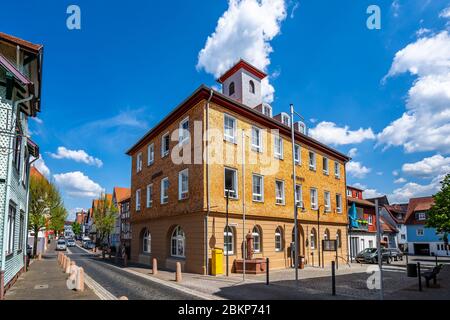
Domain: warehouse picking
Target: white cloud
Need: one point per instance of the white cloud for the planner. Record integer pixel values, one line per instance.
(425, 126)
(428, 167)
(78, 185)
(395, 173)
(357, 170)
(76, 155)
(244, 31)
(330, 133)
(294, 8)
(400, 180)
(414, 190)
(422, 31)
(353, 152)
(42, 167)
(37, 120)
(445, 13)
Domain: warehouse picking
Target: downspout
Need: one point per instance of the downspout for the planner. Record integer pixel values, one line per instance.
(208, 197)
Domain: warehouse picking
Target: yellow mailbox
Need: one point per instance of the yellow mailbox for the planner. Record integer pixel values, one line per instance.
(217, 261)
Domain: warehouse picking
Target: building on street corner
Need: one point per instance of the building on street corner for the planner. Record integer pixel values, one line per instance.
(179, 209)
(118, 196)
(20, 98)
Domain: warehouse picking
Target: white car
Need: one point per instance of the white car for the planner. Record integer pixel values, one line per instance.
(61, 245)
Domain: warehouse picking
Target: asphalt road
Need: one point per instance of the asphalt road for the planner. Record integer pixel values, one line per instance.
(121, 283)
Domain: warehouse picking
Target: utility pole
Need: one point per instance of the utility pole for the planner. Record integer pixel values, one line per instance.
(227, 229)
(380, 256)
(294, 180)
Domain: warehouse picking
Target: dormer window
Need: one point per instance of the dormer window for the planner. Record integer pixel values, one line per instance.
(267, 110)
(231, 89)
(251, 86)
(285, 119)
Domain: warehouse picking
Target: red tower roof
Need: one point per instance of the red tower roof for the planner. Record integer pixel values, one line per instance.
(244, 65)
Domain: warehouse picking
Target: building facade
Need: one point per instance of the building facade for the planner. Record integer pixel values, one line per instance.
(125, 225)
(20, 81)
(362, 232)
(214, 144)
(118, 196)
(423, 240)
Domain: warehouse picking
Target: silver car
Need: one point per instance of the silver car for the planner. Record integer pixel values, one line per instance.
(61, 245)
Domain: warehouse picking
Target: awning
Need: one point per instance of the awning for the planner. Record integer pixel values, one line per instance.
(33, 148)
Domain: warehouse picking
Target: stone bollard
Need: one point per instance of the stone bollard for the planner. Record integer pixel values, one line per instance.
(68, 264)
(59, 257)
(80, 280)
(178, 277)
(155, 266)
(40, 256)
(63, 262)
(123, 298)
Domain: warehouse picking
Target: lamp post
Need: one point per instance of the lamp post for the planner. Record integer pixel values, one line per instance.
(318, 234)
(226, 227)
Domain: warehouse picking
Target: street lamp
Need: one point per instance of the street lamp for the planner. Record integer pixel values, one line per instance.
(226, 227)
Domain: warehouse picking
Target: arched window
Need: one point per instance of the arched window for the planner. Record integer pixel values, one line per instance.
(326, 235)
(279, 239)
(251, 86)
(339, 239)
(256, 233)
(313, 238)
(231, 89)
(228, 240)
(178, 242)
(147, 242)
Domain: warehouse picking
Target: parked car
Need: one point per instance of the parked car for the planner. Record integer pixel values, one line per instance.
(370, 255)
(71, 243)
(395, 254)
(89, 245)
(61, 245)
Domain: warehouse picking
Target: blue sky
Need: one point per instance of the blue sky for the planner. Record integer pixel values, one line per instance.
(105, 85)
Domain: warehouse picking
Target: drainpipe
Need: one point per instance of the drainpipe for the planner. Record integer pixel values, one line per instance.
(208, 198)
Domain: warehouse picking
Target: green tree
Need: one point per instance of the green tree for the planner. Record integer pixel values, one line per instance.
(76, 228)
(439, 214)
(104, 217)
(46, 207)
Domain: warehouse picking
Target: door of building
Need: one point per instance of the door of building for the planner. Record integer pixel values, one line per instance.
(354, 243)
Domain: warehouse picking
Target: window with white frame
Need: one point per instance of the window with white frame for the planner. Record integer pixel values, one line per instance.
(337, 170)
(183, 132)
(419, 232)
(313, 197)
(229, 128)
(183, 184)
(147, 242)
(298, 196)
(258, 188)
(151, 154)
(279, 191)
(22, 229)
(149, 195)
(138, 199)
(279, 239)
(327, 199)
(338, 203)
(256, 233)
(164, 190)
(325, 165)
(228, 241)
(10, 232)
(230, 183)
(421, 216)
(178, 240)
(165, 145)
(285, 119)
(297, 154)
(312, 160)
(370, 219)
(313, 239)
(267, 110)
(139, 162)
(256, 139)
(278, 146)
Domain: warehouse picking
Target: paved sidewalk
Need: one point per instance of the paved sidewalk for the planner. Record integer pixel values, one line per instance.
(45, 280)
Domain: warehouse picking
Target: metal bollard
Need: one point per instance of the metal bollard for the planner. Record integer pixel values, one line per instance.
(436, 260)
(178, 276)
(420, 276)
(125, 260)
(155, 266)
(333, 278)
(267, 271)
(80, 280)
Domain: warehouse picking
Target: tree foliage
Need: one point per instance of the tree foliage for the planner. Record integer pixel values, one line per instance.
(46, 208)
(104, 219)
(76, 228)
(439, 214)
